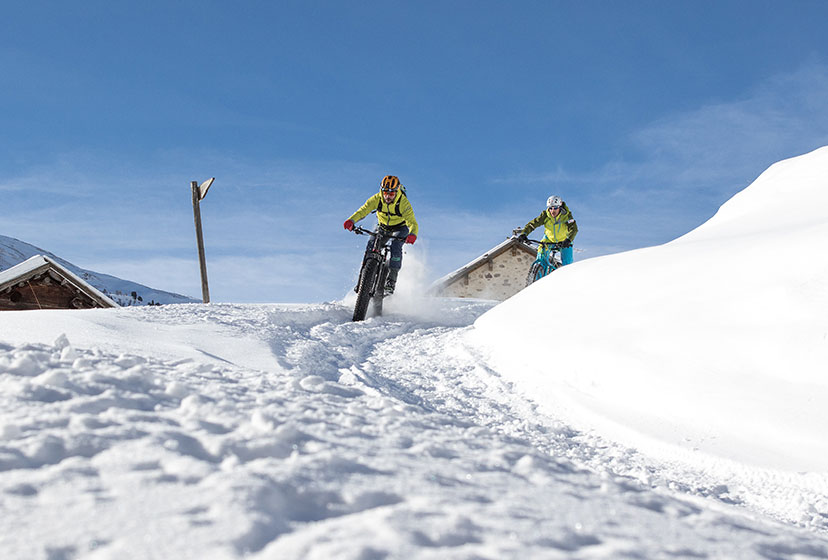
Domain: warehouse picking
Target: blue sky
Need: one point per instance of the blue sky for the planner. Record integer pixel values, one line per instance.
(644, 116)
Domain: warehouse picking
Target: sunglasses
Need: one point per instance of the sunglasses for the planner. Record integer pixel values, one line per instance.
(554, 208)
(389, 190)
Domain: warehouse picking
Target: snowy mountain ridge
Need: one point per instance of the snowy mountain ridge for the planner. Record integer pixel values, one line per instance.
(13, 251)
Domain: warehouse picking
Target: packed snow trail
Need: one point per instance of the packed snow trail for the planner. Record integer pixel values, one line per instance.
(287, 431)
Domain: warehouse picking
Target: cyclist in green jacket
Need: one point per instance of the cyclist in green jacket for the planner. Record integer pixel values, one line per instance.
(559, 227)
(394, 211)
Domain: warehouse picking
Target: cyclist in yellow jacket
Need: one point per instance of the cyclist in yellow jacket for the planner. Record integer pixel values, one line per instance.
(394, 211)
(559, 227)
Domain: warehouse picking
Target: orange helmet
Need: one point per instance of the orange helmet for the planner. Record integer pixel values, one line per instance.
(390, 183)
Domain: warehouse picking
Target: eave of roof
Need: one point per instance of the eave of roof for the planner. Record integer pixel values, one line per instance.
(39, 264)
(492, 253)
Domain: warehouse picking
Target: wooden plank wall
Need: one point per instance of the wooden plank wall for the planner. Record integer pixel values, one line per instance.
(44, 292)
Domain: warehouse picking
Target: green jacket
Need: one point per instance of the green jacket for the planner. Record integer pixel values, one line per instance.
(394, 214)
(555, 229)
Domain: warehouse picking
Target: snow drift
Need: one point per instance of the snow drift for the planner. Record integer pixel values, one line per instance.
(713, 347)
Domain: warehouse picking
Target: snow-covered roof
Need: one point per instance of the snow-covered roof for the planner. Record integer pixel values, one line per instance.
(479, 261)
(39, 264)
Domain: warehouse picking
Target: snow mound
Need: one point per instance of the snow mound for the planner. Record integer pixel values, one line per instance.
(287, 431)
(711, 348)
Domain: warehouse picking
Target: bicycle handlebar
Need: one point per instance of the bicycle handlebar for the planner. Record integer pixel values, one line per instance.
(362, 231)
(552, 244)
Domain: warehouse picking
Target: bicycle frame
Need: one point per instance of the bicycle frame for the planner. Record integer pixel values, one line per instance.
(547, 261)
(549, 257)
(381, 247)
(374, 271)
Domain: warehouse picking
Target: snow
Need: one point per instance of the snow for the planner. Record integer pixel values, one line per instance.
(666, 402)
(711, 348)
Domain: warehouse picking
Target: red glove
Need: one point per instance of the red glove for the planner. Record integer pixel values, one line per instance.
(411, 239)
(349, 225)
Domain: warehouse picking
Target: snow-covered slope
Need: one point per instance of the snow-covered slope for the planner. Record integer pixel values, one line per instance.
(662, 403)
(711, 349)
(13, 251)
(287, 431)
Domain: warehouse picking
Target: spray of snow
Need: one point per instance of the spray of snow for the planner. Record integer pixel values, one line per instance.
(410, 300)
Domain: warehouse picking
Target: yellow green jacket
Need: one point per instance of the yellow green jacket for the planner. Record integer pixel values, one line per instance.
(555, 229)
(394, 214)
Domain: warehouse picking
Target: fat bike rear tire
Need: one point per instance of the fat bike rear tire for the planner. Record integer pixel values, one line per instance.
(535, 273)
(367, 277)
(379, 293)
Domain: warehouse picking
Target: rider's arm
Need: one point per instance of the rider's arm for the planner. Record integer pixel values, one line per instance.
(407, 212)
(573, 229)
(369, 206)
(534, 224)
(571, 225)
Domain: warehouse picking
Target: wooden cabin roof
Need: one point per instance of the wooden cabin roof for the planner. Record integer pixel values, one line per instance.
(39, 265)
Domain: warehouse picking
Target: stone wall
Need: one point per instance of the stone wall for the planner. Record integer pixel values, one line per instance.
(499, 279)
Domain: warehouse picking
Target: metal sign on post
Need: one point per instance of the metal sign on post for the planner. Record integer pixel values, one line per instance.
(199, 192)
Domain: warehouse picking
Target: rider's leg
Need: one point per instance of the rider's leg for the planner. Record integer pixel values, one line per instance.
(391, 281)
(395, 264)
(566, 255)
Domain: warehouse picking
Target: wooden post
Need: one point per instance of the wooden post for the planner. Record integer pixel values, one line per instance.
(197, 196)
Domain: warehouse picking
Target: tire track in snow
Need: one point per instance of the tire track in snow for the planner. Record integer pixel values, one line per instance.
(387, 438)
(429, 366)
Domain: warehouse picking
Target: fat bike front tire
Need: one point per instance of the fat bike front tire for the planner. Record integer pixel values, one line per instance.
(367, 276)
(535, 273)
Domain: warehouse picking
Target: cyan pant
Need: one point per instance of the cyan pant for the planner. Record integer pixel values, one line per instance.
(566, 255)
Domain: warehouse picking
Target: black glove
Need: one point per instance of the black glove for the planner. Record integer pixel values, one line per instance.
(523, 237)
(566, 243)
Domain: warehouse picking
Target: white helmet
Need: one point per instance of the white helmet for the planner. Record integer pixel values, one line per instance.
(554, 202)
